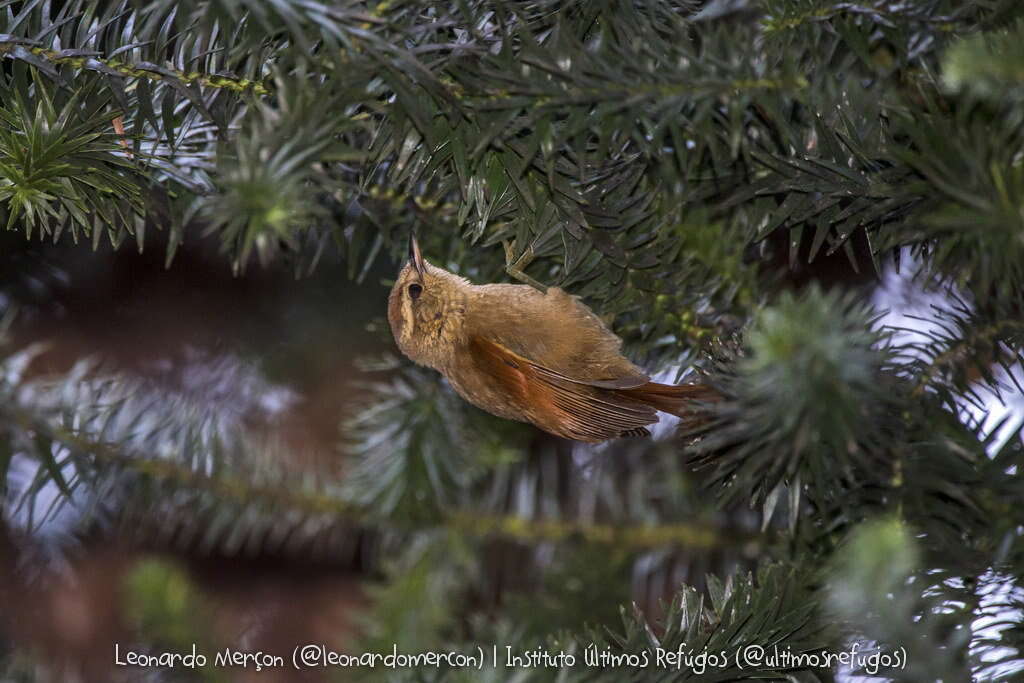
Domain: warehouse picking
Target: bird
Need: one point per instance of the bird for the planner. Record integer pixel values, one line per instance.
(541, 357)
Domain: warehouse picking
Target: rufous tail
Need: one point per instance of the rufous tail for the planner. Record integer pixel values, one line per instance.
(687, 401)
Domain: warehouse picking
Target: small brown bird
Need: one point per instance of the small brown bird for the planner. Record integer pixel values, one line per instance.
(524, 355)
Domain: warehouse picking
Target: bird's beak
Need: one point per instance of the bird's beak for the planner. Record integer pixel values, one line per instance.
(416, 257)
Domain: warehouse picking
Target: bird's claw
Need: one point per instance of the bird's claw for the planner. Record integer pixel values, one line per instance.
(515, 267)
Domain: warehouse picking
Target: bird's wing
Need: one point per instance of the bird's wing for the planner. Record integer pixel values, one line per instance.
(557, 331)
(575, 409)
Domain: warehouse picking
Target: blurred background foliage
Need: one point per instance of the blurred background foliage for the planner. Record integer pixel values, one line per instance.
(206, 436)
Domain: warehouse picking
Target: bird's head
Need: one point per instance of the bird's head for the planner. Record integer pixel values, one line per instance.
(426, 309)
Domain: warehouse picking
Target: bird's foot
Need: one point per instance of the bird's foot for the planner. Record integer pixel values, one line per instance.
(515, 267)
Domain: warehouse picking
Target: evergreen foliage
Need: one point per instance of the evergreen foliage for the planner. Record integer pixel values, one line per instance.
(725, 182)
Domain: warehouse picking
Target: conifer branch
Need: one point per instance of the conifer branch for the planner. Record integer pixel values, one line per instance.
(114, 67)
(237, 489)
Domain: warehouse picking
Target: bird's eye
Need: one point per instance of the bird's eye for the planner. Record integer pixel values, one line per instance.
(415, 290)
